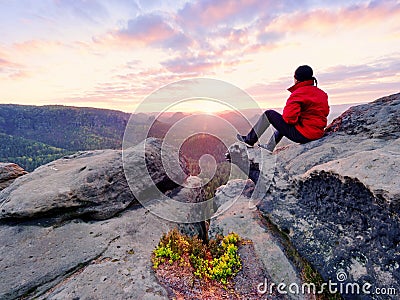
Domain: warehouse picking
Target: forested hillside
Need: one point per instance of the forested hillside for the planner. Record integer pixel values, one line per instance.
(69, 128)
(34, 135)
(27, 153)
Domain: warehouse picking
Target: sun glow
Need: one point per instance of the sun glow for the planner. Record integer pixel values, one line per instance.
(210, 107)
(200, 105)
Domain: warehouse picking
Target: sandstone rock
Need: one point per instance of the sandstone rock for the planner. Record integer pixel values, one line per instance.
(378, 119)
(338, 198)
(33, 255)
(243, 218)
(227, 194)
(8, 173)
(192, 192)
(376, 169)
(157, 161)
(89, 260)
(55, 243)
(90, 184)
(258, 163)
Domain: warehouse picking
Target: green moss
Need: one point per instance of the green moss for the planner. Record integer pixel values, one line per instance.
(218, 260)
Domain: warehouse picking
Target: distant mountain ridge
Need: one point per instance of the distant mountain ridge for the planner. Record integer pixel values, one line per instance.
(34, 135)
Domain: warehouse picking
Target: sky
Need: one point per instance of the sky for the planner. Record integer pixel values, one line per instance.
(114, 54)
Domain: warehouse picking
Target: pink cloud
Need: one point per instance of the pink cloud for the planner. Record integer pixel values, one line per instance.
(202, 63)
(174, 31)
(6, 63)
(126, 90)
(326, 20)
(31, 46)
(19, 74)
(12, 70)
(384, 68)
(208, 13)
(147, 30)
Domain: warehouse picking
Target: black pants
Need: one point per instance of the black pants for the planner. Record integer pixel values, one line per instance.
(282, 129)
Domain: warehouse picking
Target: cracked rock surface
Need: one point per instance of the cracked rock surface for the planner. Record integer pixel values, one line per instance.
(73, 229)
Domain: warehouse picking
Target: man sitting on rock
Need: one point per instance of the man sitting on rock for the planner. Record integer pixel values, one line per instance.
(304, 115)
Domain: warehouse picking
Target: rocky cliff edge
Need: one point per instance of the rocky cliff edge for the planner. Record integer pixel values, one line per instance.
(338, 198)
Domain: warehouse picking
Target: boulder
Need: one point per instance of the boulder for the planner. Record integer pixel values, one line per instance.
(70, 230)
(90, 184)
(8, 173)
(109, 259)
(379, 119)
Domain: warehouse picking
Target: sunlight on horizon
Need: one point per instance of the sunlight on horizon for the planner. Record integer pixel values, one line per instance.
(200, 105)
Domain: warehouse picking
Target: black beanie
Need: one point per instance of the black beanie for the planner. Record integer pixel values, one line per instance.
(303, 73)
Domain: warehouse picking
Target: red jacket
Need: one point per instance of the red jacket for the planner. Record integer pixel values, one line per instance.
(307, 109)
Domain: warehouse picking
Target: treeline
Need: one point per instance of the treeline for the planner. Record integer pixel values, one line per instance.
(27, 153)
(35, 135)
(70, 128)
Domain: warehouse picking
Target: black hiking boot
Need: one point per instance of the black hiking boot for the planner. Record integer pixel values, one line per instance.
(242, 139)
